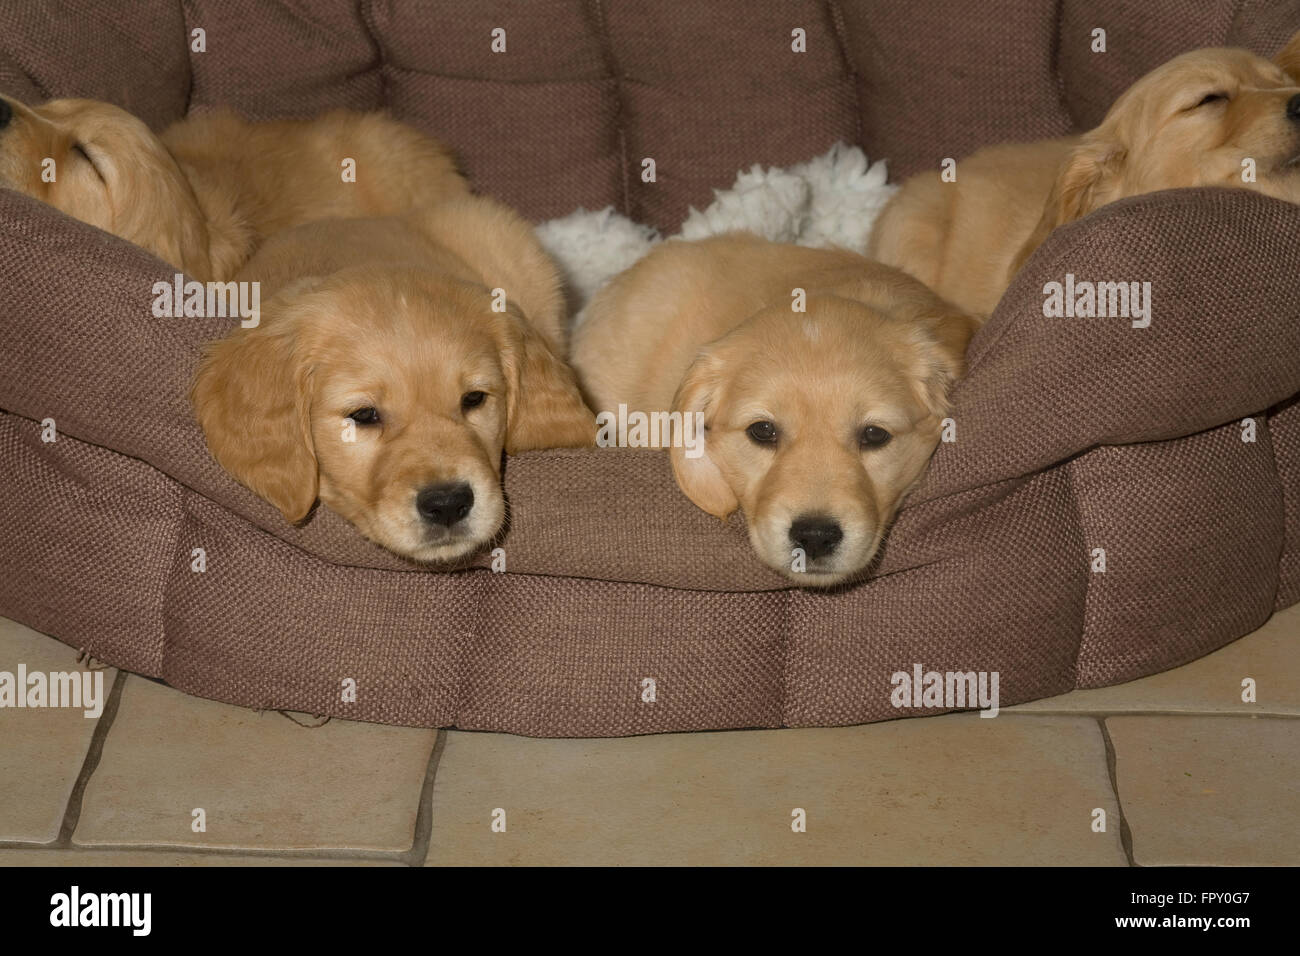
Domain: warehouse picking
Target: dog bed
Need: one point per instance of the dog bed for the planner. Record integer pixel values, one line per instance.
(1117, 501)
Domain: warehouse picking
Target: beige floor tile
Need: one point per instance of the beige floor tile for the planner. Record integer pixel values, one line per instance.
(1270, 655)
(261, 779)
(1219, 791)
(41, 751)
(77, 857)
(954, 789)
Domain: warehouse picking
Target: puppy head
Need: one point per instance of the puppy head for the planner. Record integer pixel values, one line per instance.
(107, 169)
(389, 395)
(1190, 122)
(816, 425)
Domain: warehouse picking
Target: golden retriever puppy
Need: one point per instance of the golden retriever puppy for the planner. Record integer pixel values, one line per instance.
(204, 194)
(1194, 121)
(815, 422)
(393, 363)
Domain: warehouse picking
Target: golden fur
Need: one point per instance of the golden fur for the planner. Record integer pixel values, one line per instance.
(709, 326)
(1190, 122)
(204, 194)
(394, 315)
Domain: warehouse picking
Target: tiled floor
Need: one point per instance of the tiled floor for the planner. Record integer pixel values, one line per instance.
(1180, 769)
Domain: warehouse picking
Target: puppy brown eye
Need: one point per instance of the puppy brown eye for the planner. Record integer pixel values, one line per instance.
(366, 416)
(874, 437)
(1212, 98)
(762, 432)
(472, 400)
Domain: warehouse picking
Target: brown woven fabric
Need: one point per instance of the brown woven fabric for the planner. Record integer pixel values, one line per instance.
(1284, 431)
(288, 58)
(132, 54)
(586, 90)
(1072, 434)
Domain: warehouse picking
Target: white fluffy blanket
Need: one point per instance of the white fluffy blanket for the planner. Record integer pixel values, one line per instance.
(830, 200)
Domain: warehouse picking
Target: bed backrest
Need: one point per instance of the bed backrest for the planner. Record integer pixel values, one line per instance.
(564, 106)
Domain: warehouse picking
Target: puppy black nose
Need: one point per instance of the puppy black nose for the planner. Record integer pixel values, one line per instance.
(816, 534)
(1293, 107)
(6, 113)
(445, 504)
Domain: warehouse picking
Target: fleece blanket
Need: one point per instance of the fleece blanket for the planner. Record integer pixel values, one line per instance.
(831, 200)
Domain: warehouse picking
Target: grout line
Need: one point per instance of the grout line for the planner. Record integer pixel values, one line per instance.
(95, 752)
(72, 812)
(423, 827)
(200, 852)
(419, 850)
(1125, 834)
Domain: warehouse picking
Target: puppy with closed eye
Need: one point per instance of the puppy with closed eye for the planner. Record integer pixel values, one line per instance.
(386, 376)
(206, 192)
(816, 422)
(1190, 122)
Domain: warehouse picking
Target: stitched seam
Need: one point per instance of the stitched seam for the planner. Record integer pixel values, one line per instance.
(595, 10)
(840, 29)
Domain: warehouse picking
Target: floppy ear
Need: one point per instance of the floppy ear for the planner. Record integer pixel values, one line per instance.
(183, 242)
(158, 208)
(544, 408)
(1288, 58)
(250, 397)
(945, 331)
(1087, 180)
(167, 220)
(951, 332)
(699, 477)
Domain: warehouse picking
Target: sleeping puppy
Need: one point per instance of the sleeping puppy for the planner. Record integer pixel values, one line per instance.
(1190, 122)
(204, 194)
(816, 422)
(382, 381)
